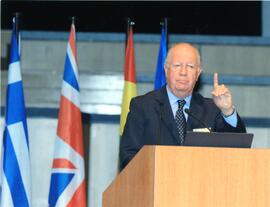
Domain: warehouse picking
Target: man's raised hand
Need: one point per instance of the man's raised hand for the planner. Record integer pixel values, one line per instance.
(222, 97)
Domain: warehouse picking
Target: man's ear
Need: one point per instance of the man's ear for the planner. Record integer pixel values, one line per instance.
(166, 68)
(199, 72)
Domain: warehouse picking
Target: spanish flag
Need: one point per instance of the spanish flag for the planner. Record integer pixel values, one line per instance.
(130, 89)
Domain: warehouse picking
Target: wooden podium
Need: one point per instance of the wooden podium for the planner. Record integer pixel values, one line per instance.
(167, 176)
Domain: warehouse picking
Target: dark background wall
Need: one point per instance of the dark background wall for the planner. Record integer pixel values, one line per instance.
(219, 18)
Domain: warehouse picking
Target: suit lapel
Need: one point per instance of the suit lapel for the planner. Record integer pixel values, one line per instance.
(196, 107)
(166, 113)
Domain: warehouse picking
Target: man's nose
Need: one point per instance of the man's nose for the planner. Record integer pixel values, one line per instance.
(183, 70)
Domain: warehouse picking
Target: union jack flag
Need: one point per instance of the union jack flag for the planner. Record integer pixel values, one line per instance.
(67, 186)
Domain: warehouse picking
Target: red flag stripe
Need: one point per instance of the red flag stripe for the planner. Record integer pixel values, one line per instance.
(130, 71)
(70, 125)
(78, 198)
(63, 163)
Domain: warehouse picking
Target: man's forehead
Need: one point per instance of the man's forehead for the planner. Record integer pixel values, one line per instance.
(184, 54)
(183, 51)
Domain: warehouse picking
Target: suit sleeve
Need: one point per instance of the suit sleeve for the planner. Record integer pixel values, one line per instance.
(131, 141)
(223, 126)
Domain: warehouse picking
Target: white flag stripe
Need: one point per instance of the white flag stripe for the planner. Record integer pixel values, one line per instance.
(63, 170)
(66, 152)
(14, 72)
(70, 93)
(72, 61)
(18, 138)
(69, 190)
(6, 200)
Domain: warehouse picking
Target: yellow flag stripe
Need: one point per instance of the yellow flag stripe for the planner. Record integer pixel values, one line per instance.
(130, 91)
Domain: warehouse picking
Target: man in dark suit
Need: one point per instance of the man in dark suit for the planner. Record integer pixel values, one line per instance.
(159, 117)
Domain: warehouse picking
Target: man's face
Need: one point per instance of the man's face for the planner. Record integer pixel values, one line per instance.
(183, 69)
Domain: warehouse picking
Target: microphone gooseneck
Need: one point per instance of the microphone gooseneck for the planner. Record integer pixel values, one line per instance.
(196, 118)
(159, 111)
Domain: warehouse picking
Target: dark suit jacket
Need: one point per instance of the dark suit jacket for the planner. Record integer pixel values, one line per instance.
(151, 122)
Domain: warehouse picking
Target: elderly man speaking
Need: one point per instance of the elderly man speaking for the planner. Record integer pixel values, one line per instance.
(160, 117)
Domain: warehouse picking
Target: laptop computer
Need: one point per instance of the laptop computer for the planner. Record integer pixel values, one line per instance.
(218, 139)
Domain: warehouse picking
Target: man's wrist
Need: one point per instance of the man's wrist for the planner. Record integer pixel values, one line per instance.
(228, 112)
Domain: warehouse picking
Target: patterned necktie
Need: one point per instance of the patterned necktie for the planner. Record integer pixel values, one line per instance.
(181, 121)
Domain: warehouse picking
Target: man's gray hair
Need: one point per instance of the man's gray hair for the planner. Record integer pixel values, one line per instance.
(166, 63)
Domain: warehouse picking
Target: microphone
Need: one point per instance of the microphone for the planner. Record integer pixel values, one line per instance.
(195, 117)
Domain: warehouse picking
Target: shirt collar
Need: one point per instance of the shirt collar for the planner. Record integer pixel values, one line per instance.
(173, 98)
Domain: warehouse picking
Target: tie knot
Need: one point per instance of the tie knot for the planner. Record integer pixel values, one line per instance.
(181, 104)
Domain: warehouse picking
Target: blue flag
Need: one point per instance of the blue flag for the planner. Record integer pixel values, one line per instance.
(160, 78)
(16, 186)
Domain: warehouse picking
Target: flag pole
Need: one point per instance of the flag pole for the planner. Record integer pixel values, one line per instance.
(166, 30)
(127, 31)
(17, 24)
(130, 23)
(164, 23)
(73, 20)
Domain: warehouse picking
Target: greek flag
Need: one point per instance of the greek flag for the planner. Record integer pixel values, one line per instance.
(15, 166)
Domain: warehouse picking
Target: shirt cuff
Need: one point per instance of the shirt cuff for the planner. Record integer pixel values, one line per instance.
(232, 119)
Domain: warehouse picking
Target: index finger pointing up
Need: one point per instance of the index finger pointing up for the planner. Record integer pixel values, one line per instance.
(215, 79)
